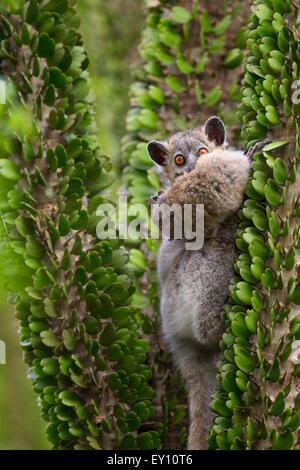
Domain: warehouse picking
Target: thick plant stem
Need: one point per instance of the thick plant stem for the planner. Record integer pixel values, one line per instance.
(72, 291)
(258, 399)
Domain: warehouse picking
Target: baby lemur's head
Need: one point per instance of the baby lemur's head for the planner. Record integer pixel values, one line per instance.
(179, 153)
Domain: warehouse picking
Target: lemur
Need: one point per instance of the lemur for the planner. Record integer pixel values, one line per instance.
(194, 284)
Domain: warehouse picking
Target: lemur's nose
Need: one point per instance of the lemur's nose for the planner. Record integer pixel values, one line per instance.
(192, 161)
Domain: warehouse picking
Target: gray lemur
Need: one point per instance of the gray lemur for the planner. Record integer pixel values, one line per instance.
(194, 284)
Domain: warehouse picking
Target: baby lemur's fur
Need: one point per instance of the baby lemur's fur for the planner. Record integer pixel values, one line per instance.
(194, 284)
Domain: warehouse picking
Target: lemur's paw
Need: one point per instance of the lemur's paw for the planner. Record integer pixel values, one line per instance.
(154, 198)
(258, 147)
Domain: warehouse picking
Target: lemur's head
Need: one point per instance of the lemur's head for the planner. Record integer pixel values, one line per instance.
(179, 153)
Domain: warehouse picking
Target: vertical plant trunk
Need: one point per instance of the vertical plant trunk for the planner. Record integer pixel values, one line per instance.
(258, 403)
(71, 291)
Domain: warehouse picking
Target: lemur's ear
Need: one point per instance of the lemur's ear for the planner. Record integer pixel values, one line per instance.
(215, 130)
(157, 152)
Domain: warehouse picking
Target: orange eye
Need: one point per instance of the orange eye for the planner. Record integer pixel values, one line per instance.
(179, 160)
(202, 151)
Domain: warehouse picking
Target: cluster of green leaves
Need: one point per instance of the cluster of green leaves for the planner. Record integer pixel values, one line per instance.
(258, 403)
(72, 292)
(179, 45)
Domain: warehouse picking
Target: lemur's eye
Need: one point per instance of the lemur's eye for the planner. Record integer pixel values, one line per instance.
(202, 151)
(179, 160)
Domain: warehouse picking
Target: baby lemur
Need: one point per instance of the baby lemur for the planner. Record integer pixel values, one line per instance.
(194, 284)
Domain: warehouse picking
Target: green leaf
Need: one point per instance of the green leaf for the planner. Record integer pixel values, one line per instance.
(69, 340)
(244, 292)
(279, 171)
(175, 84)
(234, 58)
(113, 381)
(251, 320)
(81, 89)
(156, 94)
(216, 45)
(63, 225)
(76, 429)
(275, 145)
(9, 170)
(49, 339)
(49, 98)
(59, 6)
(32, 12)
(278, 405)
(223, 25)
(108, 335)
(58, 78)
(79, 380)
(282, 441)
(205, 22)
(128, 443)
(34, 248)
(50, 308)
(43, 278)
(219, 406)
(46, 46)
(133, 421)
(213, 96)
(244, 360)
(290, 259)
(148, 119)
(178, 415)
(296, 295)
(272, 194)
(114, 352)
(91, 325)
(184, 65)
(274, 225)
(69, 398)
(275, 371)
(252, 431)
(258, 248)
(180, 15)
(201, 64)
(260, 220)
(283, 39)
(50, 366)
(272, 115)
(34, 293)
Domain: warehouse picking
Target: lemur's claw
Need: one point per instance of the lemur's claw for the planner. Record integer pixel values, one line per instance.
(257, 148)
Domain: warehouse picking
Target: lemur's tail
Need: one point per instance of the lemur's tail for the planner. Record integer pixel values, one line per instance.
(200, 378)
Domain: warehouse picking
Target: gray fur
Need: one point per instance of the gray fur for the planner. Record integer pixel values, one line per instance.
(194, 284)
(194, 288)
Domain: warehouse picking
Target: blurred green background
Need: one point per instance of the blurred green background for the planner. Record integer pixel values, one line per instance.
(111, 31)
